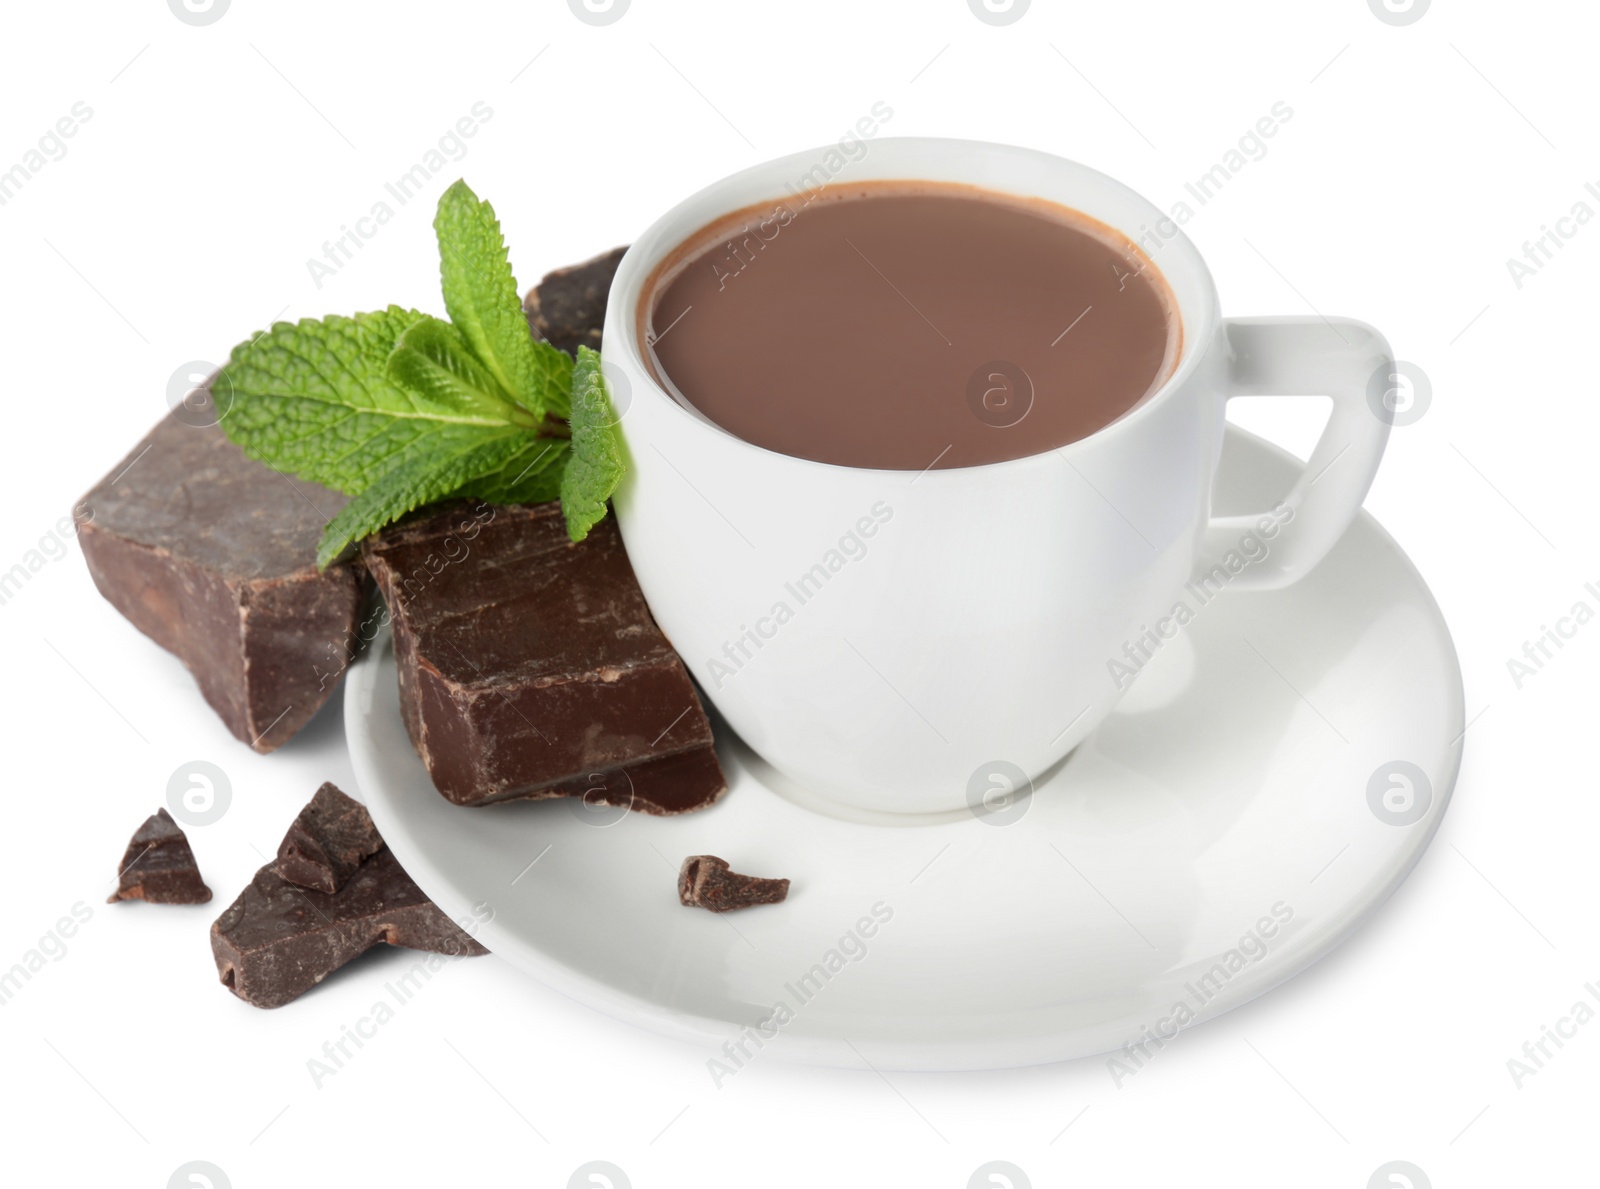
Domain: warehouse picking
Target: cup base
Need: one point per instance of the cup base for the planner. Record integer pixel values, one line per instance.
(793, 791)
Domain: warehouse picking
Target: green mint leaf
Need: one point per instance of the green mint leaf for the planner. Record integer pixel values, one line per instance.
(430, 468)
(555, 370)
(431, 361)
(316, 399)
(531, 476)
(481, 295)
(596, 464)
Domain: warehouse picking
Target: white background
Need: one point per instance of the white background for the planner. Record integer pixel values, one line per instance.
(218, 159)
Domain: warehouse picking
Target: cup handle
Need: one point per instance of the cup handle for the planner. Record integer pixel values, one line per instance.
(1305, 356)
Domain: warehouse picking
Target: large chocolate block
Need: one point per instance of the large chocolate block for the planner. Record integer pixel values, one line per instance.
(530, 667)
(568, 307)
(212, 556)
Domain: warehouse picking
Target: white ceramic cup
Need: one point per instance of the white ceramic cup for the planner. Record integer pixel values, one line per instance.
(917, 642)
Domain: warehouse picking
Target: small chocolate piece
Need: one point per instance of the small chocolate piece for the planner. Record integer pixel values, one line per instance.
(330, 839)
(213, 556)
(568, 307)
(530, 667)
(277, 941)
(159, 867)
(704, 881)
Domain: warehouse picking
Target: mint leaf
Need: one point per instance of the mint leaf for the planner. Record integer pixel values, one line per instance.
(431, 468)
(433, 362)
(556, 384)
(596, 464)
(531, 476)
(481, 294)
(316, 399)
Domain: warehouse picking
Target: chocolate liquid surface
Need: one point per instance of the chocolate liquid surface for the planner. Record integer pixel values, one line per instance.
(908, 325)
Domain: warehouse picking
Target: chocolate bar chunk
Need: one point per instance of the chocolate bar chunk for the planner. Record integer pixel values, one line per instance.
(530, 666)
(280, 938)
(212, 556)
(663, 786)
(704, 881)
(159, 867)
(568, 307)
(330, 839)
(277, 940)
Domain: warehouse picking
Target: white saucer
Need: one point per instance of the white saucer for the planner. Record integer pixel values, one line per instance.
(1246, 771)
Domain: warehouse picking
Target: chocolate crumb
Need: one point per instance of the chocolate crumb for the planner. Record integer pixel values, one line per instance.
(704, 881)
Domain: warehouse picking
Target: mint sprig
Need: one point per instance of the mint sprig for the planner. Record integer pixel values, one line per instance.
(398, 409)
